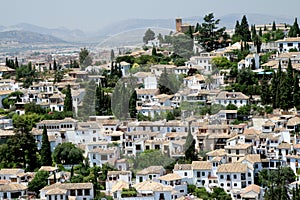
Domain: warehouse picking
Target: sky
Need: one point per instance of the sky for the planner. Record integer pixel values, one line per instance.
(89, 15)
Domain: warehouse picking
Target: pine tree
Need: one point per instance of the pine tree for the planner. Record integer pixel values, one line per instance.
(46, 159)
(68, 102)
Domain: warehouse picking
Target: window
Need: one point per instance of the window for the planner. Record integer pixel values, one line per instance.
(203, 173)
(198, 174)
(222, 184)
(235, 184)
(234, 176)
(228, 184)
(249, 182)
(289, 44)
(185, 173)
(222, 177)
(249, 174)
(79, 192)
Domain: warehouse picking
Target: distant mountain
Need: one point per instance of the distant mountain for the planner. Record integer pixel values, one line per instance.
(226, 20)
(27, 37)
(133, 24)
(62, 33)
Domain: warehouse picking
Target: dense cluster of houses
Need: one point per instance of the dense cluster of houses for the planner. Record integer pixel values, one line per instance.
(235, 153)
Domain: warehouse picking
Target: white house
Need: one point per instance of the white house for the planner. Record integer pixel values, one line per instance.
(113, 177)
(63, 191)
(185, 172)
(236, 98)
(286, 44)
(150, 173)
(12, 190)
(202, 171)
(235, 176)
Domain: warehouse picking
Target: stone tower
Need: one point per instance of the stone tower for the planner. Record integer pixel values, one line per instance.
(178, 24)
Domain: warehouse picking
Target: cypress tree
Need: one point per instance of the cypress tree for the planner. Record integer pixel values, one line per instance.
(294, 30)
(245, 32)
(16, 63)
(274, 26)
(54, 65)
(190, 153)
(99, 101)
(112, 55)
(46, 159)
(296, 92)
(260, 32)
(289, 78)
(237, 30)
(132, 105)
(68, 102)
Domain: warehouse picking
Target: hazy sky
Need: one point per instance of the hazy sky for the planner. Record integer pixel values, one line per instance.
(92, 14)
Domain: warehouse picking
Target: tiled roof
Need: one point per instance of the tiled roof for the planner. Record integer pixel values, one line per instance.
(48, 168)
(178, 167)
(201, 165)
(11, 171)
(232, 168)
(284, 145)
(293, 121)
(231, 96)
(12, 187)
(217, 152)
(239, 146)
(151, 170)
(56, 191)
(170, 177)
(152, 186)
(251, 188)
(252, 158)
(119, 186)
(118, 172)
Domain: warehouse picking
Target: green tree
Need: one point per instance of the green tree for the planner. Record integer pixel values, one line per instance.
(296, 92)
(231, 106)
(132, 105)
(67, 154)
(149, 35)
(274, 26)
(189, 147)
(210, 35)
(244, 30)
(112, 55)
(39, 181)
(294, 30)
(151, 158)
(46, 159)
(168, 83)
(88, 103)
(68, 102)
(84, 58)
